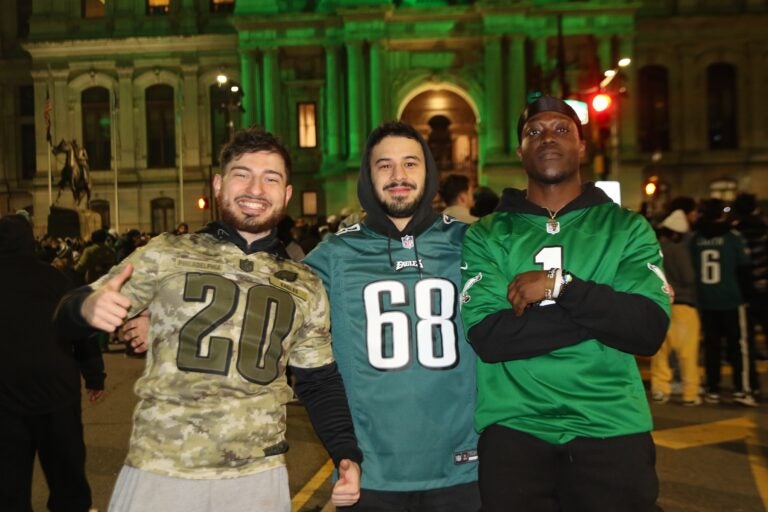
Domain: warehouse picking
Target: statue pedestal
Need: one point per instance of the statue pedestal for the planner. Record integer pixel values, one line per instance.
(70, 222)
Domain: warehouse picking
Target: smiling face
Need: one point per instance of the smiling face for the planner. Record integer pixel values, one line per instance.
(398, 174)
(551, 148)
(253, 193)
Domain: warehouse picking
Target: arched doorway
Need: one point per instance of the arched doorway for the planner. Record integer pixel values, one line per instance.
(449, 125)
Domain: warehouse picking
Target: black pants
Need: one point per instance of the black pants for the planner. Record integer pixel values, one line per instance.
(731, 326)
(57, 438)
(521, 473)
(458, 498)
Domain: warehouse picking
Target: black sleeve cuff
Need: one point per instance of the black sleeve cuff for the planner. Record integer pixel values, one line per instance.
(68, 317)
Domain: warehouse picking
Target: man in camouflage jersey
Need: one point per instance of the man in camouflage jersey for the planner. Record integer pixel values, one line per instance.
(229, 312)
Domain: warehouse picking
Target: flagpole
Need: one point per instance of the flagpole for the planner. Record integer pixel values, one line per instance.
(180, 111)
(50, 176)
(113, 124)
(47, 111)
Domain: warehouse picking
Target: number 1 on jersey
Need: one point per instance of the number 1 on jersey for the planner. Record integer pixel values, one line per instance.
(548, 258)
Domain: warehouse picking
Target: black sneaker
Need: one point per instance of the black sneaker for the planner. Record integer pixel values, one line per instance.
(712, 398)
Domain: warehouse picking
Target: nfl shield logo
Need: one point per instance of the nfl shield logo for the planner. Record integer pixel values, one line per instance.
(407, 242)
(246, 265)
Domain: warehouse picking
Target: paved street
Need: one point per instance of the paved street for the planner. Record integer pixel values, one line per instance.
(710, 458)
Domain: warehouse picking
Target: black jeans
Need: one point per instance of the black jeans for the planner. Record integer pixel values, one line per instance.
(519, 472)
(57, 438)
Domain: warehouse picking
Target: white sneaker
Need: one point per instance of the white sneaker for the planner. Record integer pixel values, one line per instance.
(659, 398)
(744, 399)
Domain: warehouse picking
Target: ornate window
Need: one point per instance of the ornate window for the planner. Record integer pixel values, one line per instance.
(307, 125)
(161, 129)
(158, 7)
(653, 108)
(97, 138)
(94, 8)
(222, 5)
(722, 119)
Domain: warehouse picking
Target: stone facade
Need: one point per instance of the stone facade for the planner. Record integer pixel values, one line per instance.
(471, 64)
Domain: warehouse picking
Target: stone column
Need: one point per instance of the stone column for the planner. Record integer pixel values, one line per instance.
(126, 142)
(332, 110)
(354, 103)
(494, 130)
(375, 99)
(270, 91)
(246, 84)
(190, 116)
(515, 88)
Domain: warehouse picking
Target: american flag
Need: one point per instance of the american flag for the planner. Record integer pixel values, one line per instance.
(47, 115)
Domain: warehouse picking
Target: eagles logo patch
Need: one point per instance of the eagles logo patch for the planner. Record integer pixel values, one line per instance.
(246, 265)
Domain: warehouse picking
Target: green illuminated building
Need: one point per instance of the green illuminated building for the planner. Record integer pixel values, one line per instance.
(136, 82)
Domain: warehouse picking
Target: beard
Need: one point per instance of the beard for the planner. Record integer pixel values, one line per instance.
(255, 225)
(400, 207)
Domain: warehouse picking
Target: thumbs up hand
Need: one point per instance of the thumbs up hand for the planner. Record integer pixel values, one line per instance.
(106, 308)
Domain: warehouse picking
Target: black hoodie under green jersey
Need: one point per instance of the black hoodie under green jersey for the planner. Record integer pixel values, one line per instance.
(564, 369)
(398, 341)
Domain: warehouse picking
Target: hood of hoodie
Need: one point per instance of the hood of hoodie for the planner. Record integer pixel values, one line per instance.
(377, 219)
(16, 237)
(514, 200)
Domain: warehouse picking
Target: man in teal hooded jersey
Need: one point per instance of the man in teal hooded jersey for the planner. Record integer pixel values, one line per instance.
(393, 283)
(562, 288)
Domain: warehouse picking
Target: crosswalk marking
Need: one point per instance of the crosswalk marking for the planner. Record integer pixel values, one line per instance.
(314, 483)
(744, 428)
(705, 433)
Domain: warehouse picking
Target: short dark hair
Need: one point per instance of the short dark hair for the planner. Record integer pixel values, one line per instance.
(253, 140)
(393, 129)
(99, 236)
(451, 186)
(744, 204)
(711, 209)
(685, 203)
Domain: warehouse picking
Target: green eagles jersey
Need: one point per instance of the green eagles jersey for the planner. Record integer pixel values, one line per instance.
(224, 325)
(399, 344)
(716, 261)
(585, 389)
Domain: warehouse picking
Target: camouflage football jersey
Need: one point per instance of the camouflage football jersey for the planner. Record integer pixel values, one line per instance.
(224, 326)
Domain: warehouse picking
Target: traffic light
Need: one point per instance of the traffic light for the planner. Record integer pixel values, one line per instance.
(601, 103)
(202, 203)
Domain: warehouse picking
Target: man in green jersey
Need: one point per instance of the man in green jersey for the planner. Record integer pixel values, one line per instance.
(229, 312)
(562, 289)
(392, 281)
(723, 268)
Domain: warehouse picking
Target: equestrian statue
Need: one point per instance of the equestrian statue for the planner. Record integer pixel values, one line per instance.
(75, 174)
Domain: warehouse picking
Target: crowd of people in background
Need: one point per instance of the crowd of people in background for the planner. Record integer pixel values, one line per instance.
(716, 259)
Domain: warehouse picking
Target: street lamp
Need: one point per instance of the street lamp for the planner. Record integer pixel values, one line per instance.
(607, 102)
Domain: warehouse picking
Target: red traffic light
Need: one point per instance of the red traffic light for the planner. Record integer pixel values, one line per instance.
(601, 102)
